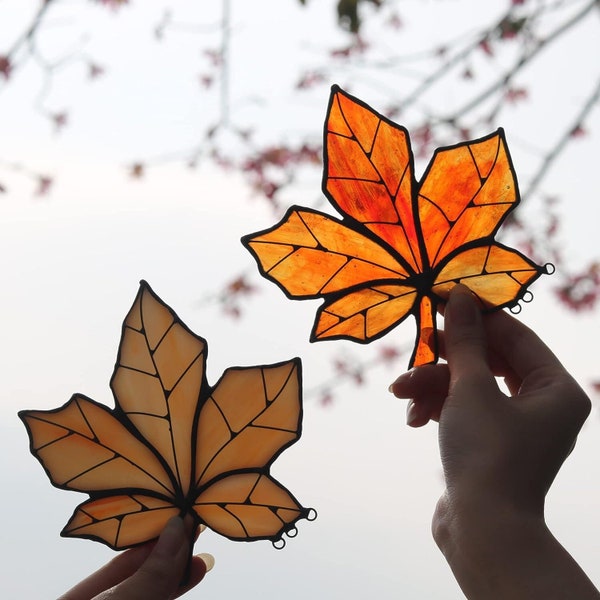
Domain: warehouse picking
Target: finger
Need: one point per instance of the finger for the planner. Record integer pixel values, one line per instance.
(159, 576)
(118, 569)
(428, 380)
(124, 565)
(518, 346)
(497, 364)
(427, 388)
(420, 412)
(465, 337)
(201, 565)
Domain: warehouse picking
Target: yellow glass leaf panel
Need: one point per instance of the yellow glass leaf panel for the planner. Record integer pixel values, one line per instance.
(124, 521)
(247, 505)
(174, 445)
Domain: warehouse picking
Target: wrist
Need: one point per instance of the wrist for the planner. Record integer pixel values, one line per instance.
(483, 541)
(471, 524)
(497, 550)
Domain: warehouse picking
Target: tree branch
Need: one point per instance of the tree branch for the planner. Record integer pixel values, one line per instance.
(560, 145)
(526, 58)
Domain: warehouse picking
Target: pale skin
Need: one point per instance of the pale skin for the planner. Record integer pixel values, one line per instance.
(500, 453)
(149, 572)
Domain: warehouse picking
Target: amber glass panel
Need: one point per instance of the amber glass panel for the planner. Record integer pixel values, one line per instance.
(496, 274)
(250, 416)
(326, 256)
(139, 462)
(157, 380)
(472, 186)
(425, 347)
(421, 237)
(248, 505)
(364, 314)
(368, 172)
(121, 521)
(83, 447)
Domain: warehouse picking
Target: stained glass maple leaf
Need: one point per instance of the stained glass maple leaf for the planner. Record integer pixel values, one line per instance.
(401, 244)
(173, 445)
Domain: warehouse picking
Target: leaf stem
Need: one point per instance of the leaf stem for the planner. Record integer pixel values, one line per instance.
(426, 350)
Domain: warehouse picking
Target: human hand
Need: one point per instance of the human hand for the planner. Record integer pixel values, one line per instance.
(507, 447)
(149, 572)
(500, 453)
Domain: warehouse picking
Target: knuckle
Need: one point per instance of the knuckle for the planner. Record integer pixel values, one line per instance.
(576, 401)
(580, 401)
(582, 404)
(468, 338)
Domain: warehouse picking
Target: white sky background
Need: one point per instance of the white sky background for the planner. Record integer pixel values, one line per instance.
(70, 266)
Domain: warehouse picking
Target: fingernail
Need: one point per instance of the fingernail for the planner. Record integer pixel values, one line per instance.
(461, 307)
(171, 538)
(208, 560)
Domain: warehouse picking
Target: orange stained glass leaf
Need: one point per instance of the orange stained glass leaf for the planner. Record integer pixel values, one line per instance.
(173, 445)
(401, 243)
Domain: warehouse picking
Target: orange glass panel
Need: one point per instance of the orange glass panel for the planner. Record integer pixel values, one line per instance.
(349, 160)
(473, 186)
(364, 314)
(368, 170)
(366, 201)
(497, 275)
(360, 120)
(421, 237)
(426, 346)
(474, 223)
(327, 256)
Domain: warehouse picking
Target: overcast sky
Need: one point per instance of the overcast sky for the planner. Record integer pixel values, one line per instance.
(71, 263)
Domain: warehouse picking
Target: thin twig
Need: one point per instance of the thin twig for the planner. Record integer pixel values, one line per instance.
(560, 145)
(31, 30)
(225, 33)
(521, 62)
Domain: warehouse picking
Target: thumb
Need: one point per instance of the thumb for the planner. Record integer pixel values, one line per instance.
(465, 338)
(160, 575)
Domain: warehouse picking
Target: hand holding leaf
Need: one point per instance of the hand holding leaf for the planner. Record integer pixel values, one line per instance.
(173, 445)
